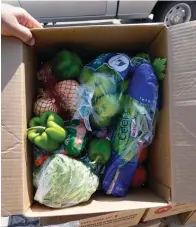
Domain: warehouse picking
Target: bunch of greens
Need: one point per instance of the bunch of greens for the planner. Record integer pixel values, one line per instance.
(62, 182)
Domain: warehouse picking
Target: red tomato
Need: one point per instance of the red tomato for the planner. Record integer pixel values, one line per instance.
(143, 155)
(139, 178)
(41, 160)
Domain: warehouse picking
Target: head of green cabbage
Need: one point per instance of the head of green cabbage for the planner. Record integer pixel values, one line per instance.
(62, 182)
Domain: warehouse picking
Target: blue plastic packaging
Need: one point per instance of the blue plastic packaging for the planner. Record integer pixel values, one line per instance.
(135, 128)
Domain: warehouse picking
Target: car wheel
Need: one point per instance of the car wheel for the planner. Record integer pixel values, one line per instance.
(175, 12)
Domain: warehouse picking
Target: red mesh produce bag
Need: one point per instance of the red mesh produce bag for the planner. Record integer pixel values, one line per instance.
(66, 90)
(46, 104)
(45, 77)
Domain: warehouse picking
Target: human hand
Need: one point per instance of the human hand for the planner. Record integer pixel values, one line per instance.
(17, 22)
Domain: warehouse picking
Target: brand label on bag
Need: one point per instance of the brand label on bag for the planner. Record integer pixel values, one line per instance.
(134, 129)
(119, 62)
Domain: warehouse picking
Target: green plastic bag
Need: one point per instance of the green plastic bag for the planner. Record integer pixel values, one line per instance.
(76, 137)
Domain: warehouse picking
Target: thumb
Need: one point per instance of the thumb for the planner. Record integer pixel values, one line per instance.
(24, 34)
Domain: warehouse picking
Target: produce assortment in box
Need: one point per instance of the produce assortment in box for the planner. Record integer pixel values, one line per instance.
(93, 125)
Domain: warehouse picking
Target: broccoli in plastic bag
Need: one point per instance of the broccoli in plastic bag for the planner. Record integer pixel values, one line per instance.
(99, 95)
(135, 128)
(63, 182)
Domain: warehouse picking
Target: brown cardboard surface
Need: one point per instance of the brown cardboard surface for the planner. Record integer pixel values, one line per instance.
(12, 151)
(177, 140)
(182, 70)
(160, 152)
(116, 219)
(93, 36)
(18, 65)
(30, 83)
(171, 209)
(141, 199)
(188, 217)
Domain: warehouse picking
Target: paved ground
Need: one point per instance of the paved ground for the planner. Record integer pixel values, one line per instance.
(19, 221)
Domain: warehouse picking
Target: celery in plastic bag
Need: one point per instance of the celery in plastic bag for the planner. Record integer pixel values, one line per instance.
(135, 128)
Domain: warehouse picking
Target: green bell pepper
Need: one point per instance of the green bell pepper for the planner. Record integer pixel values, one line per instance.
(99, 151)
(47, 131)
(66, 65)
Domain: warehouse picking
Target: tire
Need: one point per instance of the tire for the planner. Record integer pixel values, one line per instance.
(164, 11)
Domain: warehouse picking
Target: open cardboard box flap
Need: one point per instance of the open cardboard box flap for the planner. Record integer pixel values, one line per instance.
(172, 156)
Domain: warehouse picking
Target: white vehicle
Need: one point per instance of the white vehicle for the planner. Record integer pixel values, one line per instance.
(169, 12)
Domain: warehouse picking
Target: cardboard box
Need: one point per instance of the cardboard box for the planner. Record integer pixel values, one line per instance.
(188, 217)
(116, 219)
(172, 154)
(171, 209)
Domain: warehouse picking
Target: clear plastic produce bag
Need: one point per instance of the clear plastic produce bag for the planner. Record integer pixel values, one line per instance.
(63, 182)
(101, 90)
